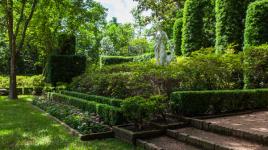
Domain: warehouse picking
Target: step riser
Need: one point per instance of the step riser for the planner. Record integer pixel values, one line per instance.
(195, 141)
(147, 146)
(202, 125)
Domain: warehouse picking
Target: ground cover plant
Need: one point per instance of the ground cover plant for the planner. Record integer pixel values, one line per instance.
(84, 122)
(24, 127)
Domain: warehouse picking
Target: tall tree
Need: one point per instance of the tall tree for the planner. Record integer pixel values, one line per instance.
(166, 10)
(17, 28)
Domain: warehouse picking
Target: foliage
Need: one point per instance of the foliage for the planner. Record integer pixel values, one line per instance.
(161, 105)
(230, 16)
(120, 35)
(220, 101)
(67, 44)
(139, 46)
(110, 60)
(256, 32)
(177, 35)
(143, 58)
(111, 115)
(256, 64)
(42, 132)
(62, 68)
(137, 110)
(165, 10)
(107, 47)
(72, 116)
(147, 79)
(196, 19)
(99, 99)
(23, 81)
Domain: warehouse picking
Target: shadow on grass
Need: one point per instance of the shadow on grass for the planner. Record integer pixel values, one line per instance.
(23, 127)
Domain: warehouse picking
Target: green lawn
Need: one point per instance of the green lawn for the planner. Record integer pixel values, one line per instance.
(23, 127)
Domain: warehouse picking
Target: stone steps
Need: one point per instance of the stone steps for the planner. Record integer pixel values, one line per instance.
(212, 141)
(164, 143)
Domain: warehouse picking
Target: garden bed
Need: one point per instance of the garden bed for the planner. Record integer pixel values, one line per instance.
(79, 123)
(130, 134)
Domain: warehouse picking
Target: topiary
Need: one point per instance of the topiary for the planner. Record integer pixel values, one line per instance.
(256, 31)
(177, 35)
(230, 16)
(196, 21)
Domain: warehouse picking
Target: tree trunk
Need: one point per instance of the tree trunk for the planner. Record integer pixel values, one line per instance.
(12, 48)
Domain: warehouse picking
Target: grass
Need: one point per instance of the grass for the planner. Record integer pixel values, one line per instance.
(23, 127)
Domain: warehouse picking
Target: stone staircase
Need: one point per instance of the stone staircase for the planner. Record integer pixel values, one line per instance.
(202, 135)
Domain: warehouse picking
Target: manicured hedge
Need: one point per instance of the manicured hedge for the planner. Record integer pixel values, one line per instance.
(62, 68)
(230, 15)
(177, 35)
(256, 67)
(221, 101)
(197, 25)
(111, 60)
(192, 26)
(111, 115)
(256, 31)
(99, 99)
(67, 44)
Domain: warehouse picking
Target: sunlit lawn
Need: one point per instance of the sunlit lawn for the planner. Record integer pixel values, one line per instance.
(23, 127)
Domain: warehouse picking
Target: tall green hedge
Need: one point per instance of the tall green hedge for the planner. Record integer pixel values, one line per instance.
(62, 68)
(67, 44)
(256, 67)
(256, 31)
(197, 17)
(177, 35)
(230, 16)
(218, 101)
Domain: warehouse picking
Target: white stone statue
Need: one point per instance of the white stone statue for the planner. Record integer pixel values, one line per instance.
(161, 41)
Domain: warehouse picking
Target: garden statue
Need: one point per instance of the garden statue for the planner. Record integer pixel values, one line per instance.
(161, 41)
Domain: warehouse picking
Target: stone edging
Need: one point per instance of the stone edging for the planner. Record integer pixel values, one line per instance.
(147, 146)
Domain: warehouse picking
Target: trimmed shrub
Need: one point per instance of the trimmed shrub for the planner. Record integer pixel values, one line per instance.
(230, 15)
(110, 60)
(67, 44)
(177, 28)
(99, 99)
(256, 31)
(62, 68)
(111, 115)
(143, 58)
(196, 18)
(256, 67)
(138, 110)
(215, 102)
(89, 106)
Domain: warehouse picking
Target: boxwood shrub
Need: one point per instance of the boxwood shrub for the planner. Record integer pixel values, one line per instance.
(110, 114)
(99, 99)
(110, 60)
(221, 101)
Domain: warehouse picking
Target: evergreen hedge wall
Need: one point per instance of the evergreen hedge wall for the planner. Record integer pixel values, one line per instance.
(230, 16)
(177, 35)
(62, 68)
(256, 31)
(197, 25)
